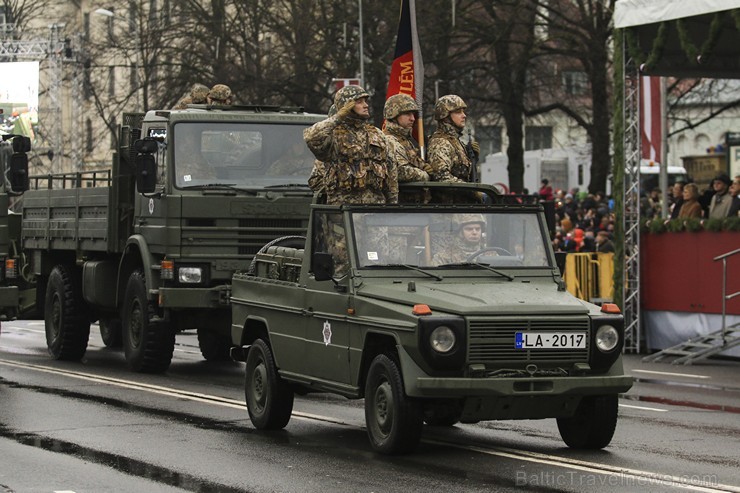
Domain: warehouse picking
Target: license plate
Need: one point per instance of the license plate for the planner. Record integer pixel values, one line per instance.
(550, 340)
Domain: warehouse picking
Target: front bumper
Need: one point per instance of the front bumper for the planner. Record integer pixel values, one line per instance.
(193, 297)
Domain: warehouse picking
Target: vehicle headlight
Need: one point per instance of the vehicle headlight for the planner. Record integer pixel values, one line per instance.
(190, 275)
(442, 339)
(607, 338)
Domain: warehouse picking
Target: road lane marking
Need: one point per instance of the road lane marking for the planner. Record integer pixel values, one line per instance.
(634, 476)
(688, 375)
(645, 408)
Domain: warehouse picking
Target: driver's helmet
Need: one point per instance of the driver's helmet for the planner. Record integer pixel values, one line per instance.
(463, 219)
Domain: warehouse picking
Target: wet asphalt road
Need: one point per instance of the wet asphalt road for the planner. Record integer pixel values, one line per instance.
(93, 426)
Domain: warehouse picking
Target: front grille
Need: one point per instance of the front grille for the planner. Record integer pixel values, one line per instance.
(209, 238)
(491, 341)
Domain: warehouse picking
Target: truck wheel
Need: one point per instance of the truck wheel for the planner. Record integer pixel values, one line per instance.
(269, 398)
(213, 347)
(65, 315)
(110, 332)
(394, 421)
(593, 424)
(147, 343)
(447, 417)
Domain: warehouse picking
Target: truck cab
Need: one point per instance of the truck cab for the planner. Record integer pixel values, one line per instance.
(429, 321)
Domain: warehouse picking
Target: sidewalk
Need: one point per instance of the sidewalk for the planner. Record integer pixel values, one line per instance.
(711, 384)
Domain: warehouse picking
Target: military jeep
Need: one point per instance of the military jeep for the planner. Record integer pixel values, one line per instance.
(366, 306)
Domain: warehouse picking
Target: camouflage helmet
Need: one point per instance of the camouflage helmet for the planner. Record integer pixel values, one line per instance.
(463, 219)
(198, 93)
(347, 94)
(446, 105)
(220, 93)
(397, 104)
(332, 110)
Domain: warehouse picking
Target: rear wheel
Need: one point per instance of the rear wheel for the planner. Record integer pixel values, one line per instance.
(593, 424)
(147, 341)
(394, 421)
(65, 315)
(110, 332)
(213, 347)
(269, 398)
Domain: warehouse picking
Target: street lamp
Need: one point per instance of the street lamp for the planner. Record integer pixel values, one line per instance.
(137, 43)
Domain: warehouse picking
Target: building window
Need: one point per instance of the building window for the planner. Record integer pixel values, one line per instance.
(489, 139)
(88, 136)
(575, 83)
(537, 138)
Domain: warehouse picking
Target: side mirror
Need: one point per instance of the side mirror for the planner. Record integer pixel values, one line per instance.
(146, 173)
(19, 181)
(146, 146)
(322, 265)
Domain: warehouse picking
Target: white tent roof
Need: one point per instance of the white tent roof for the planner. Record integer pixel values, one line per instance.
(628, 13)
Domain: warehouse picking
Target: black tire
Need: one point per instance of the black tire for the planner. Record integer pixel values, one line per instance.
(148, 342)
(214, 347)
(65, 315)
(285, 241)
(443, 418)
(269, 399)
(593, 424)
(111, 332)
(394, 421)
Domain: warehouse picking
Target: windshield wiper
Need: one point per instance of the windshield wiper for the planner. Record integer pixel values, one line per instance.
(410, 267)
(219, 186)
(483, 266)
(289, 185)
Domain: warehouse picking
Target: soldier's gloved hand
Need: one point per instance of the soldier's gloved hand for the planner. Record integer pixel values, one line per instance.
(476, 148)
(345, 110)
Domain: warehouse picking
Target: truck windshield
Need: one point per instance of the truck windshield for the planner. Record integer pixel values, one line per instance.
(244, 155)
(447, 240)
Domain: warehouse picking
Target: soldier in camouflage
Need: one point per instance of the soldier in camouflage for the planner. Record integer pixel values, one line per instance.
(400, 113)
(448, 158)
(220, 94)
(197, 95)
(316, 180)
(467, 241)
(357, 156)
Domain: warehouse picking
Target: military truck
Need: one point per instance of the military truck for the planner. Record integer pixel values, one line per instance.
(423, 330)
(149, 246)
(17, 290)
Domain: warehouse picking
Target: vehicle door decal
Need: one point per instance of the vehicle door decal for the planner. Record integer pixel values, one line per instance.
(327, 333)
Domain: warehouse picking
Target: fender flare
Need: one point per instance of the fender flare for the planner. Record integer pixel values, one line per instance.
(136, 253)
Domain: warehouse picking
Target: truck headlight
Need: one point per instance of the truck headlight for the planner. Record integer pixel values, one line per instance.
(442, 339)
(607, 338)
(190, 275)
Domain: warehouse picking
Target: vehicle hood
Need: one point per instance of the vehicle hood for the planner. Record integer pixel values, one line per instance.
(479, 297)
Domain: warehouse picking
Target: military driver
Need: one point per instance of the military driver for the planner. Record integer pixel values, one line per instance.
(467, 241)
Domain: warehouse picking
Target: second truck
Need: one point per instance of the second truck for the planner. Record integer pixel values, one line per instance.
(149, 247)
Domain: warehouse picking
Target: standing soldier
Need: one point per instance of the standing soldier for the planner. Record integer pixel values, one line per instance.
(357, 156)
(400, 113)
(220, 94)
(448, 158)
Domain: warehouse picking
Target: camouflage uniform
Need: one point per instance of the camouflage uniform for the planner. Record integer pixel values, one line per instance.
(198, 93)
(447, 156)
(410, 165)
(316, 180)
(357, 157)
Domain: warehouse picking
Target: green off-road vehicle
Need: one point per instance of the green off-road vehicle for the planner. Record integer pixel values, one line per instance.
(390, 304)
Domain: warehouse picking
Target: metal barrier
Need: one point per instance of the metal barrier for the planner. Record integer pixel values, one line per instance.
(590, 276)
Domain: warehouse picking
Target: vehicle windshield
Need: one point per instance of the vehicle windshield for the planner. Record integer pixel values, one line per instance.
(241, 155)
(445, 240)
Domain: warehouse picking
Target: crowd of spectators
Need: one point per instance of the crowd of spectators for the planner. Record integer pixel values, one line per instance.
(584, 222)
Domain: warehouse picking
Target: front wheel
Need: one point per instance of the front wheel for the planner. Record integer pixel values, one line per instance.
(269, 398)
(593, 424)
(394, 421)
(148, 343)
(214, 347)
